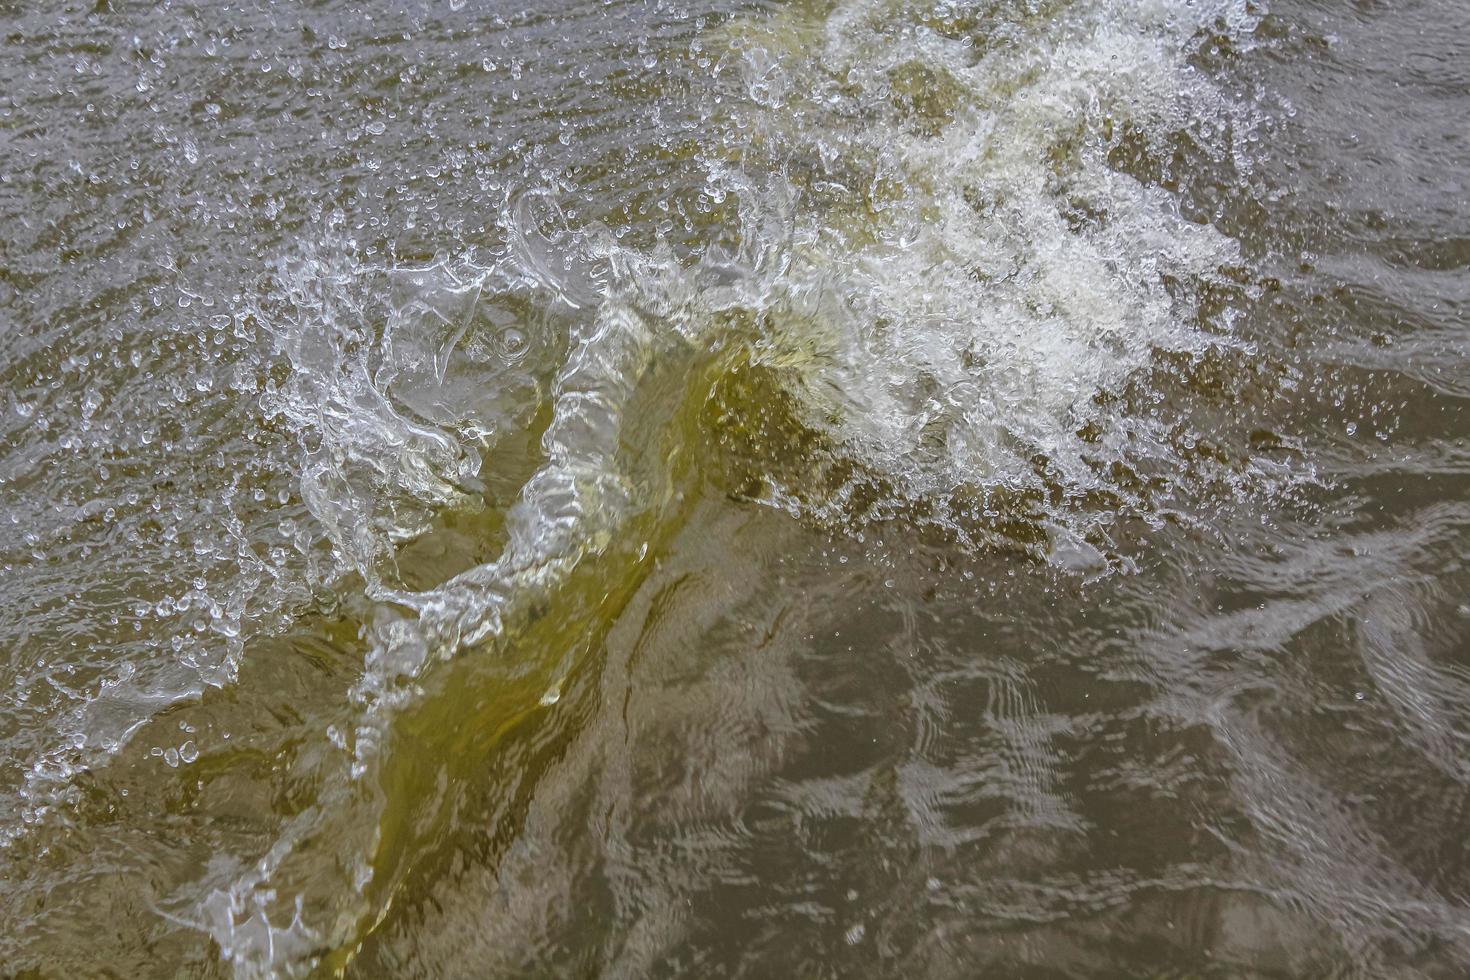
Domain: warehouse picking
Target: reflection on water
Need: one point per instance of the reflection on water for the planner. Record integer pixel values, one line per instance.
(836, 489)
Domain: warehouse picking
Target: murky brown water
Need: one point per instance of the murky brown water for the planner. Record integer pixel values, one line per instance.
(876, 488)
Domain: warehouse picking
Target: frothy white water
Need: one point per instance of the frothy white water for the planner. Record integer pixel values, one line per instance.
(983, 270)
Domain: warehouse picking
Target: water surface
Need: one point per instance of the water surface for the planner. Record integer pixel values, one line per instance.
(874, 488)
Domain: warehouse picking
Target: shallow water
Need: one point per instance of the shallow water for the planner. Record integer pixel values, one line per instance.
(874, 488)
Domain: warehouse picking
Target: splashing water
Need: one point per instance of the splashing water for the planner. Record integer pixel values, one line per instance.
(947, 273)
(950, 274)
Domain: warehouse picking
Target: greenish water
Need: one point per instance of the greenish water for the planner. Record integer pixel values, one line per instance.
(876, 488)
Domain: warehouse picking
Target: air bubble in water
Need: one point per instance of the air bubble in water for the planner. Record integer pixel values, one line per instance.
(512, 342)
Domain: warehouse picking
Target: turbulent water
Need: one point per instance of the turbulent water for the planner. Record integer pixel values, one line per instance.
(864, 488)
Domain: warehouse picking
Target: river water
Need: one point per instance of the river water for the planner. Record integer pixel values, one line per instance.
(653, 488)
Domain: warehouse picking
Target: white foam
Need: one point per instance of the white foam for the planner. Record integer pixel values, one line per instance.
(992, 271)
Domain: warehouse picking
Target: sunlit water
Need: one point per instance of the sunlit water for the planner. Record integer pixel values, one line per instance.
(877, 488)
